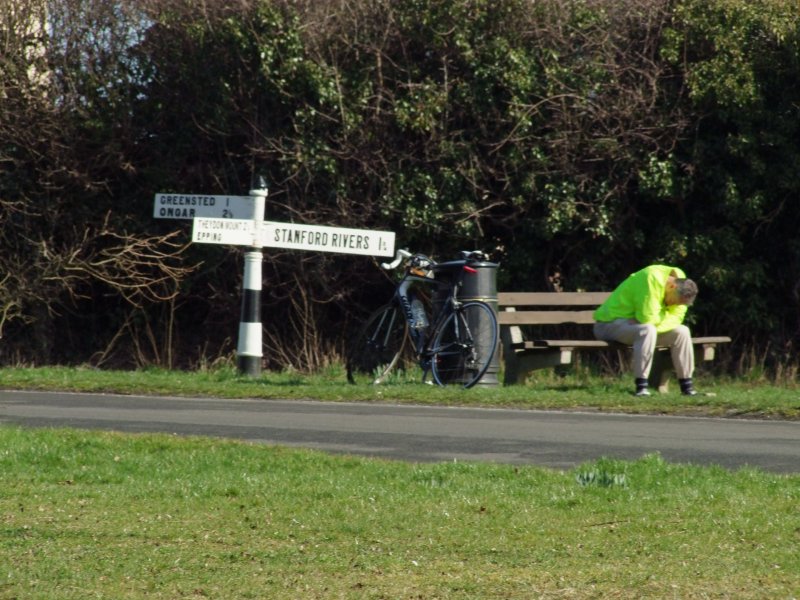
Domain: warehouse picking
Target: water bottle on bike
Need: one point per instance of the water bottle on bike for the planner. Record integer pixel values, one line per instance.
(419, 323)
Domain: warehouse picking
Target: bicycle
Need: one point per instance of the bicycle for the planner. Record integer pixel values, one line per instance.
(455, 342)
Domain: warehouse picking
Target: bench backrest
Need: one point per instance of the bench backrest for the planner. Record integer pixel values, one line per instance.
(548, 308)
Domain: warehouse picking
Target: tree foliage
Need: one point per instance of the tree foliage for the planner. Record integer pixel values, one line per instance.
(576, 141)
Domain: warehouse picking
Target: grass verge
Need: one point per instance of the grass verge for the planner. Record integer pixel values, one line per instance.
(105, 515)
(726, 397)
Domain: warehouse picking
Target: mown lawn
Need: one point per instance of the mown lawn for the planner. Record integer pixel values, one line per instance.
(105, 515)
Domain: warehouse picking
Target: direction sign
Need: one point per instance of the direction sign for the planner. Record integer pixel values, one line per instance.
(327, 239)
(189, 206)
(293, 236)
(235, 232)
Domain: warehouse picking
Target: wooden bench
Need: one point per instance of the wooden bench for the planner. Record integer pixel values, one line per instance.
(544, 311)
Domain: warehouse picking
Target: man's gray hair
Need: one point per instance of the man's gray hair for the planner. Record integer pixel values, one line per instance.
(687, 290)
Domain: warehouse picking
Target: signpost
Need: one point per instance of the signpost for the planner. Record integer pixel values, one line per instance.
(293, 236)
(327, 239)
(231, 232)
(190, 206)
(239, 221)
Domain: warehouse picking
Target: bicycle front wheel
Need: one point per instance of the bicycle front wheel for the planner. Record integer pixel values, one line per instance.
(378, 347)
(464, 345)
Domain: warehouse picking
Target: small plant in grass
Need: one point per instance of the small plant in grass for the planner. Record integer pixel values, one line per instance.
(601, 478)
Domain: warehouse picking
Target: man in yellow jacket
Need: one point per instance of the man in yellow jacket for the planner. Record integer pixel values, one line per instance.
(647, 310)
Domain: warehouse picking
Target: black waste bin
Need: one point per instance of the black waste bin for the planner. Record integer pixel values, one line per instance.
(482, 286)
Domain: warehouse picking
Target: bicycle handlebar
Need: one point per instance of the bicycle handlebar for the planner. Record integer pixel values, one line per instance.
(398, 258)
(401, 254)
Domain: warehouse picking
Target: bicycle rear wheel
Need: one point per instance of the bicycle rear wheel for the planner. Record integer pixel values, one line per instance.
(464, 345)
(378, 347)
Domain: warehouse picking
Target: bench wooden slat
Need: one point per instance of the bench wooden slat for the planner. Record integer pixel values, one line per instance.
(521, 299)
(545, 317)
(584, 344)
(588, 344)
(719, 339)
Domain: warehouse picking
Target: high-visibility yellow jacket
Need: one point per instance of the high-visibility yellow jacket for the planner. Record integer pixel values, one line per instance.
(641, 297)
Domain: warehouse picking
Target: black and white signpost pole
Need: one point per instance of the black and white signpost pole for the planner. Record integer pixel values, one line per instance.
(249, 352)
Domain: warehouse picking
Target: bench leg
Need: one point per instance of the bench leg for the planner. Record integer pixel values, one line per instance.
(510, 367)
(660, 372)
(663, 368)
(509, 357)
(520, 366)
(709, 351)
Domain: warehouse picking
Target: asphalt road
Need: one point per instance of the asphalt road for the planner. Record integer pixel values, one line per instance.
(553, 439)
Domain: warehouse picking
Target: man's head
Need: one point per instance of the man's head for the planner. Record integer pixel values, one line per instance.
(680, 291)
